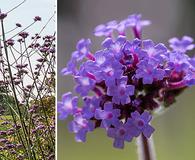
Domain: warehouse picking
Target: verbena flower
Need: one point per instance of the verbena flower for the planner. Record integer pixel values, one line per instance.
(182, 45)
(138, 124)
(120, 134)
(123, 82)
(80, 126)
(67, 106)
(120, 91)
(108, 115)
(105, 29)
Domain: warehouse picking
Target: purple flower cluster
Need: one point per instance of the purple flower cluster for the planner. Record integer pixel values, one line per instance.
(125, 81)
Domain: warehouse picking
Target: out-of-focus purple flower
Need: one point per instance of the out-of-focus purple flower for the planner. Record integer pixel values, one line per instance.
(121, 92)
(138, 124)
(3, 140)
(134, 21)
(178, 61)
(137, 24)
(83, 50)
(90, 106)
(108, 115)
(183, 45)
(81, 126)
(70, 68)
(105, 29)
(3, 132)
(120, 134)
(190, 78)
(84, 85)
(149, 71)
(67, 106)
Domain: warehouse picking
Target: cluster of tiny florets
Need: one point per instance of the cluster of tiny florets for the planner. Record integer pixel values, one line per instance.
(130, 79)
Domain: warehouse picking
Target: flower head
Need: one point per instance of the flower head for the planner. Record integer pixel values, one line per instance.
(123, 82)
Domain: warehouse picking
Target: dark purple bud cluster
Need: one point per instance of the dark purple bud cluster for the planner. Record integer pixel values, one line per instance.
(10, 42)
(130, 79)
(37, 18)
(23, 34)
(18, 25)
(3, 15)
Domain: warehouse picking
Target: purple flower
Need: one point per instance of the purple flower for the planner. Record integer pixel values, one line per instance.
(71, 67)
(121, 84)
(133, 52)
(90, 106)
(149, 71)
(183, 45)
(82, 50)
(80, 126)
(178, 61)
(120, 134)
(159, 51)
(108, 115)
(138, 124)
(67, 106)
(111, 70)
(121, 92)
(134, 20)
(190, 78)
(84, 85)
(115, 46)
(105, 67)
(105, 29)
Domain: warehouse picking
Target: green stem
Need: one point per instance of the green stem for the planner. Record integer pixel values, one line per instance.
(24, 129)
(145, 147)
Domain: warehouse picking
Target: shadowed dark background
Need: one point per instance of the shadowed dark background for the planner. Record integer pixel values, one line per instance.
(175, 130)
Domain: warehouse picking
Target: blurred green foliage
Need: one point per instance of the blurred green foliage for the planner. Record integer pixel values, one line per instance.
(6, 101)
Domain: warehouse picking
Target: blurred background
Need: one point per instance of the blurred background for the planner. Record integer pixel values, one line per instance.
(174, 137)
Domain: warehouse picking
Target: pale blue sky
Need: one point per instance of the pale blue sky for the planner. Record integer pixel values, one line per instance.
(24, 15)
(26, 12)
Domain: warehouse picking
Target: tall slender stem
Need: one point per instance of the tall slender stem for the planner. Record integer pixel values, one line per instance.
(145, 148)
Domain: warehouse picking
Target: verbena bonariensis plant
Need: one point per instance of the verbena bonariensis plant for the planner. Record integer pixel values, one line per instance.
(27, 88)
(125, 82)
